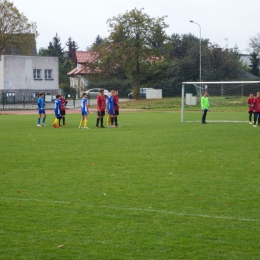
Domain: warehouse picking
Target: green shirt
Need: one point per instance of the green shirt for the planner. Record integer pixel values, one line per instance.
(205, 102)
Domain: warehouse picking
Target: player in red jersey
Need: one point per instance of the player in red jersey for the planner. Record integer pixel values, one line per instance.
(116, 106)
(101, 107)
(250, 103)
(64, 102)
(257, 109)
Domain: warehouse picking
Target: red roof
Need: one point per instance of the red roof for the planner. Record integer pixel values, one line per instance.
(82, 58)
(86, 56)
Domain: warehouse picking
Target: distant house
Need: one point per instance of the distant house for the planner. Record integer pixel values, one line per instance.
(23, 77)
(246, 60)
(78, 76)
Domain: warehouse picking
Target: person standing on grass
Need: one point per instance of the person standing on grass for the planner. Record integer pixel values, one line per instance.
(101, 106)
(204, 106)
(64, 102)
(84, 111)
(110, 110)
(57, 111)
(116, 106)
(41, 110)
(250, 104)
(256, 109)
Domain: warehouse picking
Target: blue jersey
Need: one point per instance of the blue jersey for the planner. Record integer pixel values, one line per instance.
(110, 103)
(57, 105)
(84, 102)
(40, 103)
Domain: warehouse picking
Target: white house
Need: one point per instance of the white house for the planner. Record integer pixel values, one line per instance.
(78, 76)
(23, 77)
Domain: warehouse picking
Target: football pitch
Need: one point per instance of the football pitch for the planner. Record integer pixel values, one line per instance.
(155, 188)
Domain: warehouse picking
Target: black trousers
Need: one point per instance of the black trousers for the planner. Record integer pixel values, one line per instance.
(204, 114)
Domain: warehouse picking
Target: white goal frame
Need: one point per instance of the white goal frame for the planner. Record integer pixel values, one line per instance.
(208, 83)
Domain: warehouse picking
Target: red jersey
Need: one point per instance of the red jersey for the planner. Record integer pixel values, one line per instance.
(257, 105)
(63, 102)
(250, 102)
(116, 102)
(101, 102)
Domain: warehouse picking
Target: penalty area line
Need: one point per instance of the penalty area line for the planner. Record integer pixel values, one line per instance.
(138, 209)
(217, 121)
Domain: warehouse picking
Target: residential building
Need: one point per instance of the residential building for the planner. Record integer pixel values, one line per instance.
(78, 76)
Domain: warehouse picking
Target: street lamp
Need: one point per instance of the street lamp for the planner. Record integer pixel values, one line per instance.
(200, 46)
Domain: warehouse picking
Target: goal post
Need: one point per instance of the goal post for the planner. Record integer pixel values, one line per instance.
(221, 94)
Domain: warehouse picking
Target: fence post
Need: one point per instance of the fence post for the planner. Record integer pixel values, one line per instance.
(23, 101)
(3, 100)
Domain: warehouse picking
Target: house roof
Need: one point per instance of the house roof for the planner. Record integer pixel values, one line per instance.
(246, 75)
(83, 57)
(86, 56)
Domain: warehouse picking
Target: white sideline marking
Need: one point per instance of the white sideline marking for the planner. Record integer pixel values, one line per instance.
(217, 121)
(139, 209)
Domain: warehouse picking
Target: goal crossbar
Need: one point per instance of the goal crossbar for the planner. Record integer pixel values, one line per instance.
(208, 83)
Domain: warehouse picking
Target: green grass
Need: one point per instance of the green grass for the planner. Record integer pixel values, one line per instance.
(153, 189)
(216, 102)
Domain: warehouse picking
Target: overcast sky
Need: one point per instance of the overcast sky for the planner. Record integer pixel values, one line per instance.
(224, 22)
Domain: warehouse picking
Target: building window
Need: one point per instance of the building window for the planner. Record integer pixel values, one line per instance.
(37, 74)
(48, 74)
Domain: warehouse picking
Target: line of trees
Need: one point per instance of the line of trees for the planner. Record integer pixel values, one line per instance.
(139, 50)
(137, 53)
(67, 59)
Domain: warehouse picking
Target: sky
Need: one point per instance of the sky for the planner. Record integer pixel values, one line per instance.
(228, 23)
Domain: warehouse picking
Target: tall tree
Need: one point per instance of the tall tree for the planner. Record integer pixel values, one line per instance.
(65, 63)
(254, 43)
(72, 48)
(55, 49)
(254, 66)
(98, 41)
(135, 38)
(15, 29)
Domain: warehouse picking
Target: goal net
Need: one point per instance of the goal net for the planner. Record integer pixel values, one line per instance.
(227, 100)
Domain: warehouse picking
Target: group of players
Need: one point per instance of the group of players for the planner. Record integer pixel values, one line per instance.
(111, 106)
(59, 110)
(254, 108)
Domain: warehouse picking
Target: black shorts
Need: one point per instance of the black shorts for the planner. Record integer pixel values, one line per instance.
(63, 112)
(117, 112)
(101, 113)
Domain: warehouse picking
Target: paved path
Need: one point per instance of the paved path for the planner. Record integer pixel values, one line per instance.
(19, 108)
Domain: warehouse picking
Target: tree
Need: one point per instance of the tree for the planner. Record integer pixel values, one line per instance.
(254, 66)
(254, 43)
(98, 41)
(55, 49)
(72, 48)
(135, 39)
(15, 29)
(65, 63)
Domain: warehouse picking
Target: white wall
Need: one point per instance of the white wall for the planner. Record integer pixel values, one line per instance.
(75, 81)
(153, 93)
(18, 72)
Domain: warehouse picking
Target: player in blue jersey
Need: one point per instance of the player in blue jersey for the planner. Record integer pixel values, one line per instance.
(84, 111)
(110, 109)
(57, 111)
(41, 110)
